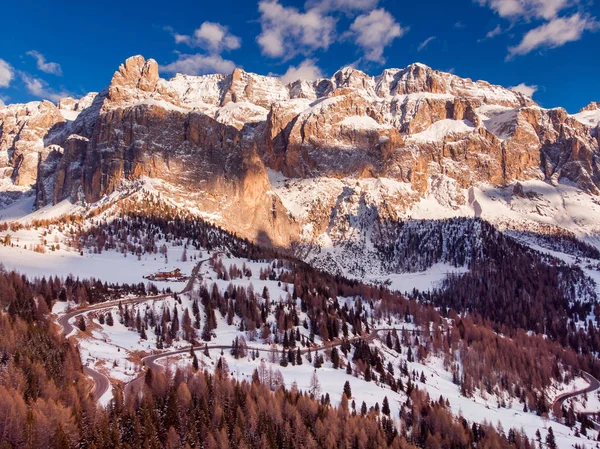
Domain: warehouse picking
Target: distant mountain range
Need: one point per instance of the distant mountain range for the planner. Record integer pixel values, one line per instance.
(325, 167)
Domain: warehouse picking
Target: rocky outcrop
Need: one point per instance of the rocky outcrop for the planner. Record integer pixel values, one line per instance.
(138, 80)
(259, 90)
(24, 132)
(77, 105)
(593, 106)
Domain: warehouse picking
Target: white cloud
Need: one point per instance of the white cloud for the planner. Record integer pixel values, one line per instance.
(425, 43)
(211, 36)
(2, 103)
(307, 70)
(459, 25)
(40, 88)
(7, 73)
(341, 5)
(544, 9)
(525, 89)
(495, 32)
(47, 67)
(375, 31)
(286, 32)
(554, 34)
(199, 64)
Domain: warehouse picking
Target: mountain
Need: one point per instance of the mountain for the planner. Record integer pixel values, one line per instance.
(326, 167)
(428, 262)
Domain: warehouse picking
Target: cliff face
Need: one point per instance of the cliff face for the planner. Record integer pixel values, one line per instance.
(211, 142)
(25, 131)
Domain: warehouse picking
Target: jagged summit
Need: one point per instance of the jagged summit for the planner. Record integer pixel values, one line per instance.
(593, 106)
(138, 77)
(136, 72)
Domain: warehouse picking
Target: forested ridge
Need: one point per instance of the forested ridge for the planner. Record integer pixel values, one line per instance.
(45, 402)
(508, 284)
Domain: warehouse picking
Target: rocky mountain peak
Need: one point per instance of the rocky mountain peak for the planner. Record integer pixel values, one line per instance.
(352, 78)
(418, 78)
(593, 106)
(257, 89)
(138, 79)
(137, 73)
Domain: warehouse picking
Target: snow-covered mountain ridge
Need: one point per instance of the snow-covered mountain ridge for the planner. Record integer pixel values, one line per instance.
(324, 166)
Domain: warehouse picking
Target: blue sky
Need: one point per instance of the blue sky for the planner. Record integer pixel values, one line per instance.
(548, 47)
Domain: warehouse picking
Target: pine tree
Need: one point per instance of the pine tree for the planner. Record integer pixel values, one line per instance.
(385, 409)
(335, 358)
(570, 417)
(550, 439)
(347, 390)
(206, 331)
(317, 363)
(286, 341)
(284, 360)
(234, 348)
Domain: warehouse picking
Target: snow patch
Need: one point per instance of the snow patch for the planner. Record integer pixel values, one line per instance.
(362, 122)
(589, 118)
(442, 128)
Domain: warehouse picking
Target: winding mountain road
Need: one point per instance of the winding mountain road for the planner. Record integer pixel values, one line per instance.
(594, 384)
(151, 361)
(101, 381)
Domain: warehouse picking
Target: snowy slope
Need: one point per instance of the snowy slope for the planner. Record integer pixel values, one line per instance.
(590, 118)
(117, 351)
